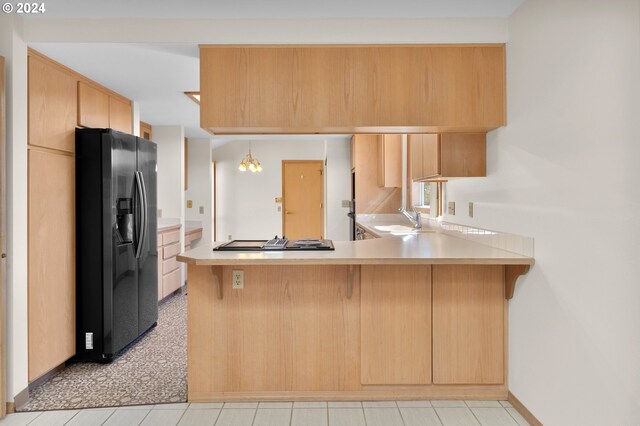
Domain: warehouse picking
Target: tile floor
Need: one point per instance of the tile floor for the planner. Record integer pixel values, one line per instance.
(381, 413)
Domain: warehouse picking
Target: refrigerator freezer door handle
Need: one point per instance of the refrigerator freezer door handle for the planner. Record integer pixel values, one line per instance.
(143, 217)
(145, 228)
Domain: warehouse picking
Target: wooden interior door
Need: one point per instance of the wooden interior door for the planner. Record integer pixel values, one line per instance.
(303, 199)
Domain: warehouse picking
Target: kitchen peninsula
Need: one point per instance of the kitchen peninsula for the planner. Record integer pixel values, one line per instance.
(420, 316)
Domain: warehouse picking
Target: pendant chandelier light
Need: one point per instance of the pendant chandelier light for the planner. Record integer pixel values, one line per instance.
(249, 163)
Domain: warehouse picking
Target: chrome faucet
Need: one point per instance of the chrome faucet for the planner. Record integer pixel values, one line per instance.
(415, 220)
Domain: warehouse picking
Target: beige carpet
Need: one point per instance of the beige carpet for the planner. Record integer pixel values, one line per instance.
(152, 371)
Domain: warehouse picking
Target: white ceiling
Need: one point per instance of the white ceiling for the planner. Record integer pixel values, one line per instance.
(280, 9)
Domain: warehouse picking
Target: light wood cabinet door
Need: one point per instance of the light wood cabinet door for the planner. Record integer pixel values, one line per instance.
(93, 107)
(448, 155)
(468, 324)
(146, 131)
(431, 155)
(51, 261)
(395, 324)
(329, 89)
(53, 106)
(415, 155)
(371, 198)
(353, 153)
(120, 115)
(390, 161)
(463, 154)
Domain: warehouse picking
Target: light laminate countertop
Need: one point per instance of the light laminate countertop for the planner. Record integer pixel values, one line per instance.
(426, 248)
(168, 223)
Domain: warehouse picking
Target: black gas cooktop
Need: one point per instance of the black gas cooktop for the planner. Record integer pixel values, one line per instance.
(276, 244)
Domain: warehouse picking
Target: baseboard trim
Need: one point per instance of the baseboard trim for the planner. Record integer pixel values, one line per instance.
(21, 399)
(46, 376)
(524, 411)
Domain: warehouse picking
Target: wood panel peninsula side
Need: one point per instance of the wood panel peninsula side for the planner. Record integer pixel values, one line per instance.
(411, 317)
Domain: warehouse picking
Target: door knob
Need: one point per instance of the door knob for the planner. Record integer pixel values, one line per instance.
(287, 212)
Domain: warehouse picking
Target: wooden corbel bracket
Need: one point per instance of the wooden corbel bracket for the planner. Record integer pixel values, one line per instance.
(511, 274)
(217, 282)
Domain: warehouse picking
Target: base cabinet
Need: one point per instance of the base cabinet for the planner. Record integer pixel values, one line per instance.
(468, 324)
(346, 332)
(395, 324)
(169, 271)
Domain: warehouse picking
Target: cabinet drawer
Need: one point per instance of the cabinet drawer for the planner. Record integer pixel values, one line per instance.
(170, 237)
(171, 282)
(170, 265)
(192, 237)
(170, 251)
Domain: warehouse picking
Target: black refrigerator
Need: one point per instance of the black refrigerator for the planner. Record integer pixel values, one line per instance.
(116, 241)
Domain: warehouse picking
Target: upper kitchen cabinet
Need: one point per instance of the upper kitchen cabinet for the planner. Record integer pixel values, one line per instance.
(99, 108)
(93, 106)
(390, 161)
(370, 197)
(146, 131)
(447, 155)
(352, 89)
(120, 116)
(52, 104)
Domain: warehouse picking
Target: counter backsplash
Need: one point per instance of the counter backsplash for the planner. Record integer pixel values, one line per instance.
(503, 240)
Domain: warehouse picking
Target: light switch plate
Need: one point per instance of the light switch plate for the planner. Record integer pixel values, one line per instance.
(346, 203)
(470, 209)
(189, 204)
(237, 279)
(451, 208)
(201, 209)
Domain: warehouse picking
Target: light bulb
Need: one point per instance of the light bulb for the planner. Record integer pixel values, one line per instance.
(259, 168)
(252, 167)
(242, 167)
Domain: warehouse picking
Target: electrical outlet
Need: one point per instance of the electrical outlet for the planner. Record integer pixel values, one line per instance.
(279, 208)
(346, 203)
(201, 209)
(230, 237)
(189, 204)
(159, 212)
(237, 279)
(451, 208)
(470, 209)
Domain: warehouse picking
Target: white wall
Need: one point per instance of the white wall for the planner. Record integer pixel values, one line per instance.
(251, 31)
(14, 49)
(338, 188)
(200, 187)
(246, 207)
(565, 171)
(170, 140)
